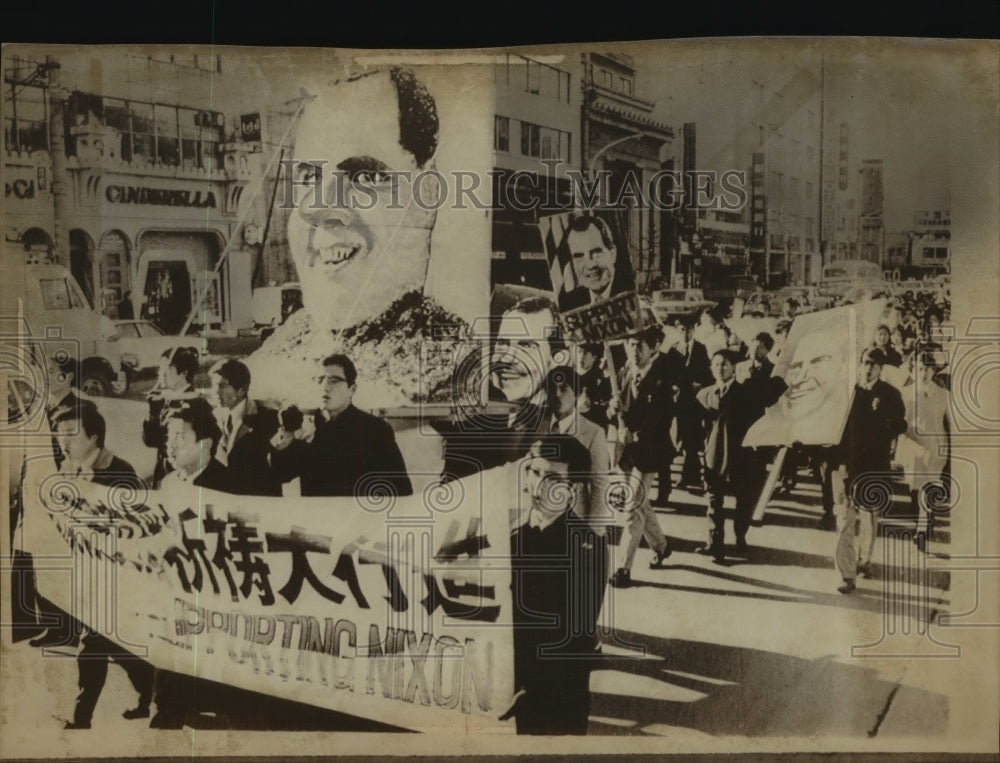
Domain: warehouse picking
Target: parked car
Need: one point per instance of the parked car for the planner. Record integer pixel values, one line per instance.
(810, 298)
(140, 345)
(766, 302)
(670, 304)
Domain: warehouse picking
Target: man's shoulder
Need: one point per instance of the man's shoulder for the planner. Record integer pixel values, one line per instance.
(570, 300)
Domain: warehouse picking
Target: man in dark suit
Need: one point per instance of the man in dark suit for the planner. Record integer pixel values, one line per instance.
(174, 385)
(555, 623)
(729, 407)
(646, 410)
(526, 346)
(247, 429)
(62, 374)
(595, 264)
(690, 359)
(192, 438)
(595, 386)
(351, 453)
(877, 417)
(81, 435)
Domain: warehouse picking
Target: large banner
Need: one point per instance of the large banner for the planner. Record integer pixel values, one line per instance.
(396, 610)
(819, 361)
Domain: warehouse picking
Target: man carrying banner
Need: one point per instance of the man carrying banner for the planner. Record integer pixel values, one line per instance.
(192, 437)
(730, 407)
(555, 623)
(646, 408)
(877, 416)
(174, 385)
(81, 433)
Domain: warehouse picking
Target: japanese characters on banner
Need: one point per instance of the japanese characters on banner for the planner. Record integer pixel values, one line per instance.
(396, 610)
(819, 362)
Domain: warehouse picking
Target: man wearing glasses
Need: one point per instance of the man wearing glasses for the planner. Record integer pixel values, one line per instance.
(351, 453)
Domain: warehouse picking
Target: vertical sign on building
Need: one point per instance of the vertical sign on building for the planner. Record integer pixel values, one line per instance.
(871, 210)
(758, 206)
(689, 217)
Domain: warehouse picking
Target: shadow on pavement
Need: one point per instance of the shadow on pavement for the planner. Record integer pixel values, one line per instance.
(753, 693)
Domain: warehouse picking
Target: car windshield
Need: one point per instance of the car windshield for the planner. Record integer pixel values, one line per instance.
(672, 296)
(148, 329)
(127, 330)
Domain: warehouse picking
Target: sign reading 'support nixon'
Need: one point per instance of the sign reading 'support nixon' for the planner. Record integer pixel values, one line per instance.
(613, 318)
(343, 615)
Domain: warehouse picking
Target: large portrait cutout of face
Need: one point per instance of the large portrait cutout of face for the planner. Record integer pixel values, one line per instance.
(819, 363)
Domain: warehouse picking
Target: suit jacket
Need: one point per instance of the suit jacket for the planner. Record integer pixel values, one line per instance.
(727, 418)
(598, 388)
(110, 470)
(214, 477)
(354, 454)
(580, 296)
(554, 623)
(154, 430)
(647, 413)
(247, 461)
(486, 441)
(877, 416)
(693, 370)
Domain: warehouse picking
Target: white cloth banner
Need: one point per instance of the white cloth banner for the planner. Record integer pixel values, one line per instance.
(396, 610)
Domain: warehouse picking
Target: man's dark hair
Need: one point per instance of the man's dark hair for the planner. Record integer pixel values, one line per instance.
(535, 305)
(346, 365)
(198, 413)
(766, 339)
(235, 372)
(418, 116)
(782, 327)
(582, 223)
(67, 364)
(792, 302)
(875, 355)
(565, 449)
(184, 360)
(651, 336)
(91, 421)
(560, 375)
(594, 348)
(728, 354)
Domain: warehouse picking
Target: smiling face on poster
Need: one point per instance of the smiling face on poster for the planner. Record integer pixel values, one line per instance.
(819, 363)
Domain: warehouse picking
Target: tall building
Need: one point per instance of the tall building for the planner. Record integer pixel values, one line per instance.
(621, 135)
(127, 182)
(536, 142)
(871, 217)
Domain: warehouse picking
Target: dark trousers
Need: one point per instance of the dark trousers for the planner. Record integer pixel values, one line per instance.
(558, 699)
(96, 652)
(826, 487)
(66, 629)
(746, 485)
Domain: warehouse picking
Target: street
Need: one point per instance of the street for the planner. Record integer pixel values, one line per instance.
(756, 647)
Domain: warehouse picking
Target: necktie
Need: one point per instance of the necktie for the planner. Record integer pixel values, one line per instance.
(229, 428)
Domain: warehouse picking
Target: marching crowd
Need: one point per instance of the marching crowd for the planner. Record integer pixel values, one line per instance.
(571, 426)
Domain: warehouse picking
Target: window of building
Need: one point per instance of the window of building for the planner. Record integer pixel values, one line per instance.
(530, 143)
(533, 73)
(607, 79)
(501, 133)
(25, 126)
(626, 85)
(809, 190)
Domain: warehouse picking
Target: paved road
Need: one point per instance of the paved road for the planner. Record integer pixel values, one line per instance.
(757, 647)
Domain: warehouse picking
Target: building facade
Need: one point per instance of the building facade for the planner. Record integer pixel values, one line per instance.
(133, 188)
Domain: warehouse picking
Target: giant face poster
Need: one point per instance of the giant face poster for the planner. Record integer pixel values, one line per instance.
(281, 236)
